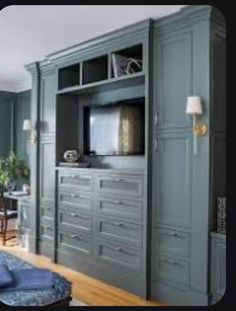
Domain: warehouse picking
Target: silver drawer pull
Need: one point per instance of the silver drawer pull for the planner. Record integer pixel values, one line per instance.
(74, 195)
(119, 224)
(78, 216)
(74, 236)
(175, 234)
(118, 179)
(48, 227)
(117, 249)
(117, 202)
(72, 176)
(170, 261)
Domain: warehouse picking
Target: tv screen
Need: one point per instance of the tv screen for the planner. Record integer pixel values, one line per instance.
(115, 129)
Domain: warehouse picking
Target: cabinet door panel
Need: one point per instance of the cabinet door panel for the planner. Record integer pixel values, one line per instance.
(173, 242)
(174, 72)
(173, 185)
(47, 111)
(47, 170)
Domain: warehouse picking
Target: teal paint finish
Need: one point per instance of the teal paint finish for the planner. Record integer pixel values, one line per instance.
(22, 111)
(168, 207)
(14, 108)
(218, 266)
(7, 102)
(183, 182)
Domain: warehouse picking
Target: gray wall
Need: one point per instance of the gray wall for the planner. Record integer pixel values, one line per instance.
(7, 101)
(14, 108)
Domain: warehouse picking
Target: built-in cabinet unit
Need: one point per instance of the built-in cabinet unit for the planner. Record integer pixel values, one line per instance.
(218, 266)
(138, 222)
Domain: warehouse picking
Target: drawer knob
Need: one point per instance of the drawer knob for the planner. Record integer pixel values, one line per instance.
(73, 215)
(74, 195)
(117, 249)
(47, 227)
(74, 236)
(172, 234)
(117, 202)
(119, 224)
(118, 179)
(169, 261)
(72, 176)
(175, 234)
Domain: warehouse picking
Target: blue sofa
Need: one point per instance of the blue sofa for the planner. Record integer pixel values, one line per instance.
(59, 295)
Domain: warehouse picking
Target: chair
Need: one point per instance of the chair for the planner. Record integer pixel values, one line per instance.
(5, 215)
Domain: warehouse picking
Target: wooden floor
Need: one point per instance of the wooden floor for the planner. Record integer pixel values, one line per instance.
(86, 289)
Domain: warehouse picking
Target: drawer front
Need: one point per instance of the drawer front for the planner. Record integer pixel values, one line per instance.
(119, 207)
(121, 185)
(172, 242)
(76, 181)
(119, 230)
(75, 218)
(46, 227)
(47, 209)
(74, 240)
(172, 271)
(116, 253)
(75, 199)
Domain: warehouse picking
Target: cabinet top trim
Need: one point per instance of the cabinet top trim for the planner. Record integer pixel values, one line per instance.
(101, 170)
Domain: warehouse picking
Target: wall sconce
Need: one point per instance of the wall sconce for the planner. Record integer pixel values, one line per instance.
(27, 126)
(194, 107)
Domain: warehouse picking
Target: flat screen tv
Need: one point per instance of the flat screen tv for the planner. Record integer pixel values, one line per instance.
(115, 129)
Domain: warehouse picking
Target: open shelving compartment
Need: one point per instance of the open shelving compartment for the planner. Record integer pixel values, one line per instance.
(95, 69)
(100, 70)
(127, 61)
(69, 76)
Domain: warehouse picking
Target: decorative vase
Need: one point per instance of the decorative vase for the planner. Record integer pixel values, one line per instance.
(26, 188)
(71, 155)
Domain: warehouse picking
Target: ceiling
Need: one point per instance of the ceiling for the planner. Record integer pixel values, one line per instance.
(29, 32)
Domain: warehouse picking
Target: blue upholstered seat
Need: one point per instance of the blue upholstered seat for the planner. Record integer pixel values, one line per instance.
(60, 291)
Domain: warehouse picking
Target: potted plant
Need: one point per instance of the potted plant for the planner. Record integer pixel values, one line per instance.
(12, 169)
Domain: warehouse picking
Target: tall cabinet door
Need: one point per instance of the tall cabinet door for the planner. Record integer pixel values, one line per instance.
(180, 178)
(47, 163)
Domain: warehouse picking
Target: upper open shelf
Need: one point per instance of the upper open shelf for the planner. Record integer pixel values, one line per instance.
(109, 84)
(100, 71)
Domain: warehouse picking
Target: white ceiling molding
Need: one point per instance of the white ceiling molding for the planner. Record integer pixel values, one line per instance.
(30, 32)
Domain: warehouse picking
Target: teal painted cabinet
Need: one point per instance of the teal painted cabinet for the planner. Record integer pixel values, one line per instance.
(146, 232)
(47, 162)
(182, 192)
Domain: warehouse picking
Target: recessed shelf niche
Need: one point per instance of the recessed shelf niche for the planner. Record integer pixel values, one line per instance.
(69, 76)
(95, 69)
(120, 58)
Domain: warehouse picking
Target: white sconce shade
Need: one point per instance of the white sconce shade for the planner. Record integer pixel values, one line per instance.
(27, 126)
(194, 105)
